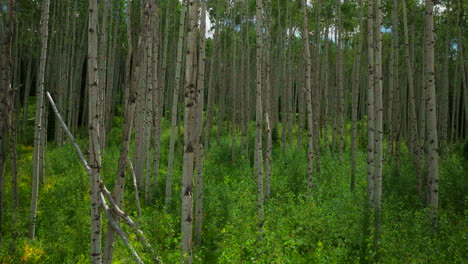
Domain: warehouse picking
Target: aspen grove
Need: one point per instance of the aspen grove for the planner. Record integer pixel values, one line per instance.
(233, 131)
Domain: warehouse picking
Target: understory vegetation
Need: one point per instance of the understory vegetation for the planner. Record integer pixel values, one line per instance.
(324, 225)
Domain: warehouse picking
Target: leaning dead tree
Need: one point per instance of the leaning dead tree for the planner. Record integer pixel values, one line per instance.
(114, 209)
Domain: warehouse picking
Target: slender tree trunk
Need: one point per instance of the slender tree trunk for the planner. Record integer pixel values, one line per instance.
(103, 71)
(355, 97)
(94, 133)
(190, 120)
(308, 90)
(199, 125)
(396, 107)
(461, 44)
(300, 99)
(259, 114)
(6, 37)
(378, 123)
(393, 78)
(412, 105)
(455, 102)
(325, 84)
(340, 99)
(134, 77)
(267, 88)
(157, 100)
(233, 90)
(316, 91)
(39, 129)
(27, 93)
(211, 84)
(432, 139)
(370, 103)
(444, 99)
(175, 100)
(148, 121)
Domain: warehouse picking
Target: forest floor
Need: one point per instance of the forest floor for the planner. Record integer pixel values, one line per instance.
(324, 225)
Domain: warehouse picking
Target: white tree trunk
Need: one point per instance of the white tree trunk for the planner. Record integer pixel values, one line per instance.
(199, 124)
(190, 120)
(94, 133)
(431, 111)
(259, 115)
(38, 132)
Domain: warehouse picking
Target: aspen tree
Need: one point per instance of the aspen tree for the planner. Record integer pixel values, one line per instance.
(412, 104)
(94, 133)
(393, 78)
(103, 70)
(71, 93)
(190, 133)
(164, 70)
(432, 139)
(157, 94)
(175, 99)
(148, 119)
(300, 101)
(455, 103)
(4, 87)
(38, 132)
(243, 82)
(396, 111)
(268, 87)
(461, 45)
(325, 85)
(144, 95)
(234, 88)
(316, 91)
(340, 99)
(211, 84)
(370, 102)
(308, 90)
(134, 77)
(199, 125)
(27, 94)
(378, 122)
(355, 97)
(8, 85)
(247, 87)
(259, 113)
(444, 98)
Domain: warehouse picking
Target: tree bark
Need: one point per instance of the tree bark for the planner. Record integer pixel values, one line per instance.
(326, 117)
(378, 123)
(355, 97)
(412, 105)
(175, 100)
(431, 118)
(339, 77)
(199, 125)
(308, 91)
(94, 133)
(39, 129)
(102, 64)
(118, 191)
(190, 119)
(259, 114)
(370, 103)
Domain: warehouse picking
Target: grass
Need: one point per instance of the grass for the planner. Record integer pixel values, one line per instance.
(323, 225)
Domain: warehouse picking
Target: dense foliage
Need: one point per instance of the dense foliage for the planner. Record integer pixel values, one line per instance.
(323, 226)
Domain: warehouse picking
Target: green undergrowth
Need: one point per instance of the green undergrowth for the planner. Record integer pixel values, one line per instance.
(322, 225)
